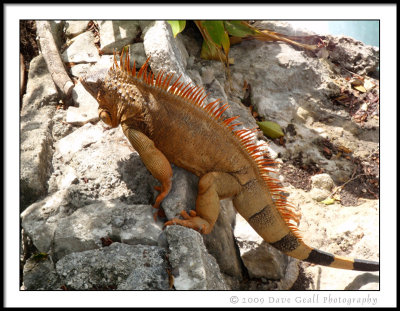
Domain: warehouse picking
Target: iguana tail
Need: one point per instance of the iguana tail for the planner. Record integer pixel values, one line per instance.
(273, 221)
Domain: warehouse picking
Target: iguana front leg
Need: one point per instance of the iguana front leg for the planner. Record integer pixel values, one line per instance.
(213, 187)
(154, 160)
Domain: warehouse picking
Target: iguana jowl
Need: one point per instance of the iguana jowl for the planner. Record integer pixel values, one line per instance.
(171, 123)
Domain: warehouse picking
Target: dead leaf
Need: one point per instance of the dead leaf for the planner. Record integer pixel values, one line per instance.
(344, 149)
(360, 88)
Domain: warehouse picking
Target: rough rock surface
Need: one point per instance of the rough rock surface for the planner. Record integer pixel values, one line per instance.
(118, 266)
(36, 127)
(192, 266)
(86, 196)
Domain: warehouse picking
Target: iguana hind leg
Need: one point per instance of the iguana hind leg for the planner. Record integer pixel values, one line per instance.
(213, 187)
(154, 160)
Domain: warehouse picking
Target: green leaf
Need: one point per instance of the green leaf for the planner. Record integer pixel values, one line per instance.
(215, 39)
(209, 51)
(217, 33)
(238, 29)
(271, 129)
(177, 26)
(328, 201)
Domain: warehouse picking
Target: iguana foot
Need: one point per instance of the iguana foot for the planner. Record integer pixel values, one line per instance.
(192, 221)
(159, 213)
(163, 193)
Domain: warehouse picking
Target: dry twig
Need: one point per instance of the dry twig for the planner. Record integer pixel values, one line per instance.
(53, 59)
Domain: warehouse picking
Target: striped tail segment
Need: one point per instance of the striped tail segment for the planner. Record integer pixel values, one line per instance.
(291, 246)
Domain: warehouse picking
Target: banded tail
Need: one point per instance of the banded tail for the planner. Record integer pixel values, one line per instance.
(293, 246)
(274, 225)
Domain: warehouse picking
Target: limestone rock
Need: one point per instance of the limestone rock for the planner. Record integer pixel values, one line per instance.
(40, 274)
(118, 266)
(82, 49)
(163, 49)
(192, 266)
(116, 34)
(87, 110)
(260, 259)
(74, 28)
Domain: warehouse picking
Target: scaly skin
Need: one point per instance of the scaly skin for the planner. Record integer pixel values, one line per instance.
(170, 123)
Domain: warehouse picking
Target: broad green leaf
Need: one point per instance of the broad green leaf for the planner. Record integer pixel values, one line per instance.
(271, 129)
(177, 26)
(216, 31)
(238, 29)
(215, 37)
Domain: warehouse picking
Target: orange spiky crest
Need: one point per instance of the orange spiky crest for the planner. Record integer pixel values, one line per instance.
(196, 96)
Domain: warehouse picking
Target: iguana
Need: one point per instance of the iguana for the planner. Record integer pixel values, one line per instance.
(172, 123)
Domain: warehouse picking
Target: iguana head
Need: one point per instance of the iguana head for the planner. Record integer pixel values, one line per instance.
(97, 83)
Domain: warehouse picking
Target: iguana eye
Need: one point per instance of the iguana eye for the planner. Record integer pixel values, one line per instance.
(105, 116)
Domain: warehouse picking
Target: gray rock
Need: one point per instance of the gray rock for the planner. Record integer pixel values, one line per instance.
(322, 185)
(192, 266)
(287, 84)
(137, 54)
(38, 220)
(60, 128)
(36, 132)
(116, 34)
(160, 44)
(36, 153)
(87, 110)
(345, 231)
(82, 49)
(82, 230)
(66, 178)
(74, 28)
(58, 229)
(105, 164)
(183, 193)
(40, 88)
(282, 27)
(79, 70)
(260, 259)
(354, 55)
(322, 181)
(221, 242)
(319, 194)
(79, 139)
(40, 274)
(119, 266)
(363, 282)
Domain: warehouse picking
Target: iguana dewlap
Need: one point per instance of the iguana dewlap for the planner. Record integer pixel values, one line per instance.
(171, 123)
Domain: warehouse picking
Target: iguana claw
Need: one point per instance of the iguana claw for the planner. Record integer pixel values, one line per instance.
(190, 220)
